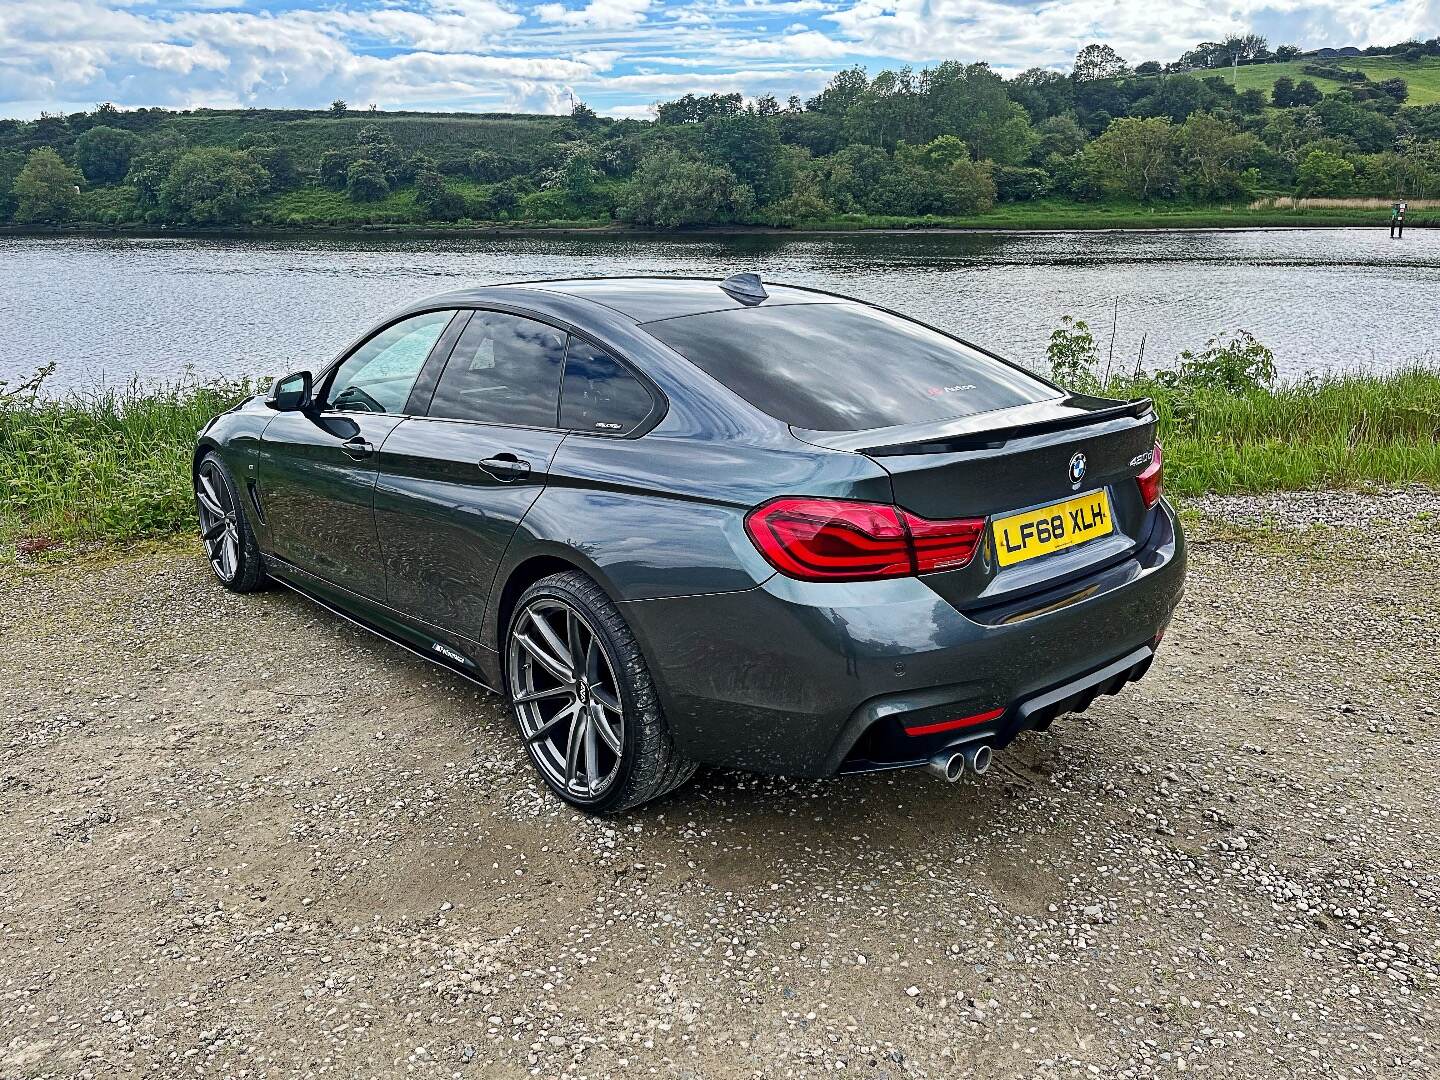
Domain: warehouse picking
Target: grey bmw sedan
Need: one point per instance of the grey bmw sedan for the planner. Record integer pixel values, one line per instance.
(682, 522)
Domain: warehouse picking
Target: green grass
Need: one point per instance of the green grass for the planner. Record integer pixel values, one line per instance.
(1334, 432)
(114, 467)
(1057, 214)
(1422, 76)
(309, 134)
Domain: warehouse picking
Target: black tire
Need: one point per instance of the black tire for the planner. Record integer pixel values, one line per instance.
(233, 552)
(649, 765)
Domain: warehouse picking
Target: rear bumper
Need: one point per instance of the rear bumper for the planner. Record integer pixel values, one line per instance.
(811, 679)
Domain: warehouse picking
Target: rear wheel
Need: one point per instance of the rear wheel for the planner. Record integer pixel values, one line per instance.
(230, 544)
(584, 700)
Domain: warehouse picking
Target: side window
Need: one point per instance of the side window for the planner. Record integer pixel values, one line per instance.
(378, 376)
(503, 370)
(598, 394)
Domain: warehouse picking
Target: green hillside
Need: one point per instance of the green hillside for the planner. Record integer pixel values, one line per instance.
(1422, 76)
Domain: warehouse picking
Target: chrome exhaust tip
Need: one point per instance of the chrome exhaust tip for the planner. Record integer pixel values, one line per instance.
(978, 758)
(949, 765)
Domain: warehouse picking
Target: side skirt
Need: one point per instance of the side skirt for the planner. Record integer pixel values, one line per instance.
(320, 593)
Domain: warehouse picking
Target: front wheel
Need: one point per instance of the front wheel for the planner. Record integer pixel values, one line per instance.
(230, 543)
(584, 700)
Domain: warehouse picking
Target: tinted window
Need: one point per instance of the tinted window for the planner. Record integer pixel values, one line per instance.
(599, 394)
(840, 367)
(503, 370)
(378, 376)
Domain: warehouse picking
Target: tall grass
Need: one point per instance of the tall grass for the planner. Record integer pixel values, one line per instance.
(112, 464)
(1333, 431)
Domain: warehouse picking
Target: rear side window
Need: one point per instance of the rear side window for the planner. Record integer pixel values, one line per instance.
(599, 394)
(843, 367)
(503, 370)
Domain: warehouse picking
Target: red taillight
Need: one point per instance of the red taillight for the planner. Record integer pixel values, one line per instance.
(837, 540)
(1152, 480)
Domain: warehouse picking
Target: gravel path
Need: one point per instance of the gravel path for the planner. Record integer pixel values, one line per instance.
(241, 838)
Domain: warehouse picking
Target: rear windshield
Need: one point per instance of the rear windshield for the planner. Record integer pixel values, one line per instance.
(843, 367)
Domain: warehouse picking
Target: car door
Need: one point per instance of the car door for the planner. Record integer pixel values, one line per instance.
(316, 468)
(454, 484)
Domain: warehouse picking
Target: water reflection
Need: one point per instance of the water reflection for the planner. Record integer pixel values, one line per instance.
(108, 308)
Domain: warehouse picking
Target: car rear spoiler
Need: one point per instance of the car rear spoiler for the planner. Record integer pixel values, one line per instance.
(983, 431)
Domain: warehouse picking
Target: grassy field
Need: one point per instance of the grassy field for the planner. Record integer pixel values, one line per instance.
(308, 135)
(1422, 76)
(115, 467)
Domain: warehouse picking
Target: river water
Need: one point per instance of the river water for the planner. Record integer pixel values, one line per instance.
(106, 310)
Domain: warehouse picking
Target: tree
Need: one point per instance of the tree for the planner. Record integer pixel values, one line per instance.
(1286, 52)
(1306, 93)
(487, 167)
(694, 109)
(1149, 67)
(334, 168)
(339, 107)
(278, 162)
(212, 185)
(365, 181)
(1324, 173)
(1251, 102)
(11, 162)
(584, 116)
(1135, 157)
(1098, 62)
(1282, 94)
(670, 189)
(937, 178)
(1396, 89)
(103, 154)
(749, 146)
(47, 189)
(436, 199)
(150, 166)
(1214, 153)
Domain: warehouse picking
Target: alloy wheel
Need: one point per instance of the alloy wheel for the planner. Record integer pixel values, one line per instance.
(219, 522)
(566, 698)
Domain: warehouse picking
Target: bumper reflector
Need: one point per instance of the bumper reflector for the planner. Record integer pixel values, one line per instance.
(951, 725)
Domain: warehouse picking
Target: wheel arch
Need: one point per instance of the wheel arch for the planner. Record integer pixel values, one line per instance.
(525, 573)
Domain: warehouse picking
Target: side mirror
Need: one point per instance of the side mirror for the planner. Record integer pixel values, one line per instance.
(290, 393)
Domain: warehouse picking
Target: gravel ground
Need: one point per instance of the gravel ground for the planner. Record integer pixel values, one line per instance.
(242, 838)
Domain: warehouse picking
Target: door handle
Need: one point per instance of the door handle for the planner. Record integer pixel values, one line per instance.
(358, 448)
(506, 467)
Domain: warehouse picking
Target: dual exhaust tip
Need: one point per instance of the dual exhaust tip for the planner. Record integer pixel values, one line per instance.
(950, 765)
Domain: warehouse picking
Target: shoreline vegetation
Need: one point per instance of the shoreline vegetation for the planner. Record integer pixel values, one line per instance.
(1054, 217)
(1230, 133)
(112, 467)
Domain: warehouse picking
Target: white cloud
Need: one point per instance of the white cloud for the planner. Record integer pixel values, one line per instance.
(603, 14)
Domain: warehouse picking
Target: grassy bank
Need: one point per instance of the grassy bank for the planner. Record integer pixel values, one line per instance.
(1064, 216)
(317, 209)
(114, 466)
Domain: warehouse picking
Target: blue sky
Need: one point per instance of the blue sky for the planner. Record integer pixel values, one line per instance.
(621, 56)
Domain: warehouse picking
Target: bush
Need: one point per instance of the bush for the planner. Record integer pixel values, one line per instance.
(670, 190)
(365, 182)
(1235, 365)
(1015, 183)
(1074, 360)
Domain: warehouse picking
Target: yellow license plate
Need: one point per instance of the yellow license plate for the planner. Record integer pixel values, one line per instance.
(1052, 528)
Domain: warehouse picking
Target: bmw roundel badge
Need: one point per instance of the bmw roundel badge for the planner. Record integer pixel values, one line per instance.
(1077, 469)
